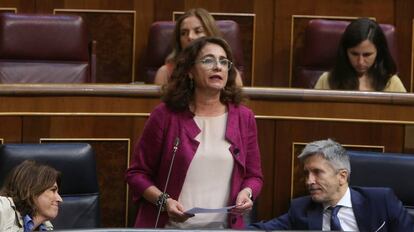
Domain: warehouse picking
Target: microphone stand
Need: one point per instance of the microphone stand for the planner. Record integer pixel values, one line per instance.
(175, 148)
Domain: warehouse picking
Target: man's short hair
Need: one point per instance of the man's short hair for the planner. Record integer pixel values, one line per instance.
(330, 150)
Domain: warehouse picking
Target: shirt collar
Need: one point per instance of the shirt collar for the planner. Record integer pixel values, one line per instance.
(345, 201)
(28, 224)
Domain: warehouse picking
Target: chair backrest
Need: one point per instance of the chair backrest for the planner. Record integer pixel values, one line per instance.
(161, 35)
(321, 41)
(79, 183)
(375, 169)
(45, 48)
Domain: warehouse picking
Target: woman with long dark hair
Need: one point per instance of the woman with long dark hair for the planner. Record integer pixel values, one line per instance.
(363, 62)
(216, 162)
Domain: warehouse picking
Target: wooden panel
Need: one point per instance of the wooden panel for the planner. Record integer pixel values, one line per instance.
(28, 6)
(404, 16)
(114, 32)
(409, 139)
(266, 135)
(146, 11)
(112, 161)
(11, 129)
(221, 6)
(265, 37)
(47, 6)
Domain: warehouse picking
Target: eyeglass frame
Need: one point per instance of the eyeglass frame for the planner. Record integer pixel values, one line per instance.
(216, 62)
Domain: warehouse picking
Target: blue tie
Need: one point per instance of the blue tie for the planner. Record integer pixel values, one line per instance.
(335, 224)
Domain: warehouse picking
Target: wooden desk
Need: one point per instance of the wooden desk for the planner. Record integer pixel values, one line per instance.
(111, 118)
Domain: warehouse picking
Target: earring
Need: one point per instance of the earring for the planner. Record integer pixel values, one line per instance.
(191, 83)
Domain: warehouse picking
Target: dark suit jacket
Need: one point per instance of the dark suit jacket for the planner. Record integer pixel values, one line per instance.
(372, 208)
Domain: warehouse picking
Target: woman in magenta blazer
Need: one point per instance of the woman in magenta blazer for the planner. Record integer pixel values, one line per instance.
(217, 160)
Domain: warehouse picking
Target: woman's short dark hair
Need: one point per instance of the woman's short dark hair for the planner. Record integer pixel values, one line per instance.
(179, 92)
(343, 75)
(27, 181)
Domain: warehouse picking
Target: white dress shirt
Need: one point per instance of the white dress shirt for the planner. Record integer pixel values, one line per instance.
(346, 214)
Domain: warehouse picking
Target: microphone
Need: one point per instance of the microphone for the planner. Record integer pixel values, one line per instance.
(175, 148)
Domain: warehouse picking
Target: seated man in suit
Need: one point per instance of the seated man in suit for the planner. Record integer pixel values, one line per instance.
(332, 204)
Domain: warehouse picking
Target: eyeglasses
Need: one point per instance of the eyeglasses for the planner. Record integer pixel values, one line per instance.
(210, 63)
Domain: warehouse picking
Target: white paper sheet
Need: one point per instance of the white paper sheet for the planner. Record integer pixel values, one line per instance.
(197, 210)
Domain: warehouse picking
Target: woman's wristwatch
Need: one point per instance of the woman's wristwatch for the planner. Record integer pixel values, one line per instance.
(162, 201)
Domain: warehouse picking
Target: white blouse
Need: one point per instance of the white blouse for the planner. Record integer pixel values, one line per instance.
(207, 183)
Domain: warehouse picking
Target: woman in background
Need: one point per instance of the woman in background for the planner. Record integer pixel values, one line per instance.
(193, 24)
(363, 62)
(217, 160)
(29, 198)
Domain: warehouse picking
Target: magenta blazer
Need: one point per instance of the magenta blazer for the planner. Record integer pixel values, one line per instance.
(153, 152)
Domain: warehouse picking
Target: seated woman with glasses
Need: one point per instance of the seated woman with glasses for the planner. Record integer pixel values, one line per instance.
(207, 136)
(29, 198)
(193, 24)
(364, 61)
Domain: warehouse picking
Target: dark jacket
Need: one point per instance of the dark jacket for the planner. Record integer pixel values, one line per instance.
(374, 208)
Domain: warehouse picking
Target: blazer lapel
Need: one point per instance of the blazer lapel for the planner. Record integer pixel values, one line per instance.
(232, 134)
(231, 124)
(315, 215)
(190, 126)
(188, 131)
(361, 210)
